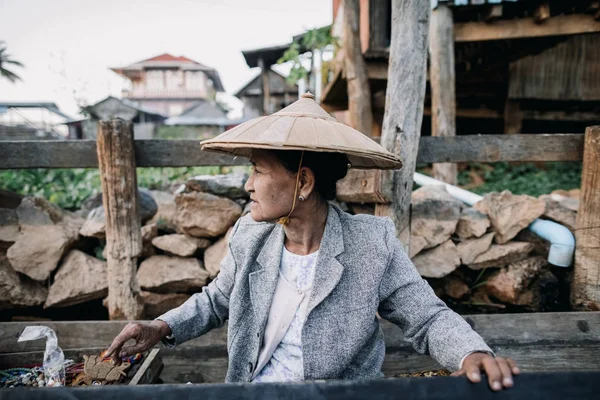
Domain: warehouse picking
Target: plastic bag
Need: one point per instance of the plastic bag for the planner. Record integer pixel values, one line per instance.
(54, 359)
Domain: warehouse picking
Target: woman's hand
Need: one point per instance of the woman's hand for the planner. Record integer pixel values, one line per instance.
(145, 336)
(499, 370)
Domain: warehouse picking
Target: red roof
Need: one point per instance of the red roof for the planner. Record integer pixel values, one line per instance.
(169, 57)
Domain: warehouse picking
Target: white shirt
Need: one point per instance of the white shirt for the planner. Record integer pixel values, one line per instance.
(286, 363)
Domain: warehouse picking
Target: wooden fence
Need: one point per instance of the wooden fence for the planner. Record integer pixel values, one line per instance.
(474, 148)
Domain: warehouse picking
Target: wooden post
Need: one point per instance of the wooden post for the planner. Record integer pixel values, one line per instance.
(513, 117)
(442, 81)
(266, 89)
(116, 160)
(404, 105)
(359, 92)
(585, 290)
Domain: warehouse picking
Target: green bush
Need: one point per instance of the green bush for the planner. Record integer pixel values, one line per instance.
(519, 178)
(522, 178)
(68, 188)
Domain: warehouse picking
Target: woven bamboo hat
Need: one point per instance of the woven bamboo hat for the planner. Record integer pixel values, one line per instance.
(303, 125)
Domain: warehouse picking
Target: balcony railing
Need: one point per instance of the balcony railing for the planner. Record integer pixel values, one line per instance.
(163, 93)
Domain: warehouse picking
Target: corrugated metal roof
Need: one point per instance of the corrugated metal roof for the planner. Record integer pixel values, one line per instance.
(52, 107)
(457, 3)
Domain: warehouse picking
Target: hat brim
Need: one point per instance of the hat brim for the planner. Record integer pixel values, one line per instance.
(357, 159)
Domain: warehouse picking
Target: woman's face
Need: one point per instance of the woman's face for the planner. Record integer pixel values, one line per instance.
(271, 187)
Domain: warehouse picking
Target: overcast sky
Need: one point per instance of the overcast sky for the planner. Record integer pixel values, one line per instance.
(67, 46)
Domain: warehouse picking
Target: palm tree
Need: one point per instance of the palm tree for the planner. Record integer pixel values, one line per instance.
(6, 59)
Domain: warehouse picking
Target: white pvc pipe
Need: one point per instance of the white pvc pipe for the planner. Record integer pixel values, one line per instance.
(562, 241)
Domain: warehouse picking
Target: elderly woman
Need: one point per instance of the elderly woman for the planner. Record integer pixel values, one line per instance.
(302, 281)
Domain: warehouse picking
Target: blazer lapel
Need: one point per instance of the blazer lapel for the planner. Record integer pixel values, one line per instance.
(328, 270)
(264, 281)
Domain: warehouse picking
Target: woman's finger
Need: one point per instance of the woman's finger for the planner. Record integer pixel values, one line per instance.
(513, 366)
(472, 369)
(127, 333)
(507, 380)
(131, 350)
(493, 372)
(460, 372)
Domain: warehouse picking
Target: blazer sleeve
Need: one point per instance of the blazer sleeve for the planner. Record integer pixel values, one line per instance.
(428, 324)
(205, 310)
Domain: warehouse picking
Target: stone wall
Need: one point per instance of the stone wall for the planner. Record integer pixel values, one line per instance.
(480, 256)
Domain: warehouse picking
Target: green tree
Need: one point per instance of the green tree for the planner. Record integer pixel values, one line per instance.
(5, 59)
(304, 49)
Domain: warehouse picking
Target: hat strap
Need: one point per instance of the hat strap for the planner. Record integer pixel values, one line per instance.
(286, 220)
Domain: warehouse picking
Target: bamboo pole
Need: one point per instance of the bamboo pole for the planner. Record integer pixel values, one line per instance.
(442, 81)
(585, 291)
(116, 161)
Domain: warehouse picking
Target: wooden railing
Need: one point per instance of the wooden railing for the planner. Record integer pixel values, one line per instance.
(187, 153)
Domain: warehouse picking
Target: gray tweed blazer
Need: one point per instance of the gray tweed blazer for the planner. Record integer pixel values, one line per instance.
(361, 269)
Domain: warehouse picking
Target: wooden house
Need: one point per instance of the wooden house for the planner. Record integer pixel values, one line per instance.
(145, 121)
(32, 121)
(519, 66)
(281, 94)
(205, 119)
(168, 84)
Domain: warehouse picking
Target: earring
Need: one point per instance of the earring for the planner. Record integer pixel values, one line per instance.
(301, 198)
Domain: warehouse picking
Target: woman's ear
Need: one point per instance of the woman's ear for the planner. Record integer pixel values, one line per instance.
(307, 182)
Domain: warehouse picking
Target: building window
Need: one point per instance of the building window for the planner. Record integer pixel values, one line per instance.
(155, 79)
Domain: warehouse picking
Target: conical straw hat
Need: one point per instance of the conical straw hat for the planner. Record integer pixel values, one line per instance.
(303, 125)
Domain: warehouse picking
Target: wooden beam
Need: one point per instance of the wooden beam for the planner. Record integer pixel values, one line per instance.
(567, 341)
(541, 13)
(513, 118)
(442, 82)
(116, 161)
(362, 186)
(559, 25)
(377, 70)
(585, 290)
(82, 154)
(266, 89)
(495, 148)
(404, 104)
(185, 153)
(359, 91)
(471, 113)
(494, 12)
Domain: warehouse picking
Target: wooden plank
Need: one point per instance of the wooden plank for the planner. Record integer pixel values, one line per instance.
(82, 154)
(541, 13)
(549, 386)
(149, 370)
(404, 103)
(362, 186)
(559, 25)
(494, 148)
(178, 153)
(359, 92)
(513, 117)
(442, 82)
(585, 289)
(116, 160)
(147, 373)
(81, 334)
(184, 153)
(539, 342)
